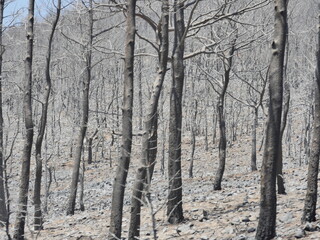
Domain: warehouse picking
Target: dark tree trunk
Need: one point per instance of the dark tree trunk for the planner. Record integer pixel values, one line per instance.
(310, 204)
(90, 150)
(214, 124)
(174, 204)
(123, 165)
(3, 203)
(193, 137)
(85, 116)
(27, 112)
(206, 128)
(221, 118)
(90, 146)
(43, 123)
(280, 179)
(149, 139)
(254, 141)
(140, 94)
(81, 178)
(163, 137)
(268, 199)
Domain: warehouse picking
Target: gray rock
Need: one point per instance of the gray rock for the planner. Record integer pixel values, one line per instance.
(287, 218)
(241, 237)
(204, 238)
(250, 230)
(235, 221)
(228, 230)
(300, 233)
(183, 228)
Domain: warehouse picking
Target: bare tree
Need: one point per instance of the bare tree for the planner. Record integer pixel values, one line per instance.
(3, 205)
(43, 123)
(86, 79)
(174, 204)
(27, 111)
(193, 134)
(123, 165)
(149, 140)
(285, 111)
(310, 204)
(268, 199)
(227, 63)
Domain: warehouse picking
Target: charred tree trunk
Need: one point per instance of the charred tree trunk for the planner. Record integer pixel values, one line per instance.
(27, 112)
(280, 180)
(310, 204)
(214, 124)
(221, 118)
(149, 140)
(3, 203)
(81, 178)
(268, 199)
(85, 116)
(174, 204)
(193, 137)
(90, 146)
(254, 141)
(140, 94)
(42, 128)
(123, 165)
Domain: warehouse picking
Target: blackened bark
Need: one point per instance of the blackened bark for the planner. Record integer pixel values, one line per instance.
(43, 123)
(27, 112)
(254, 141)
(280, 179)
(221, 118)
(310, 204)
(3, 203)
(123, 165)
(268, 199)
(85, 116)
(193, 137)
(174, 204)
(90, 146)
(149, 140)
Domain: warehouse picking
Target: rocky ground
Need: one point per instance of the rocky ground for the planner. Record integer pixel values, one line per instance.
(231, 213)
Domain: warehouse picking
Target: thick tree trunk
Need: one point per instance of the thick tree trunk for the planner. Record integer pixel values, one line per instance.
(81, 178)
(85, 117)
(174, 204)
(43, 122)
(3, 203)
(254, 141)
(153, 150)
(268, 200)
(222, 144)
(310, 204)
(149, 140)
(90, 146)
(123, 165)
(27, 112)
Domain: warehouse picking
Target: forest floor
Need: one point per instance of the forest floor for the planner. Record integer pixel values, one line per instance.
(231, 213)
